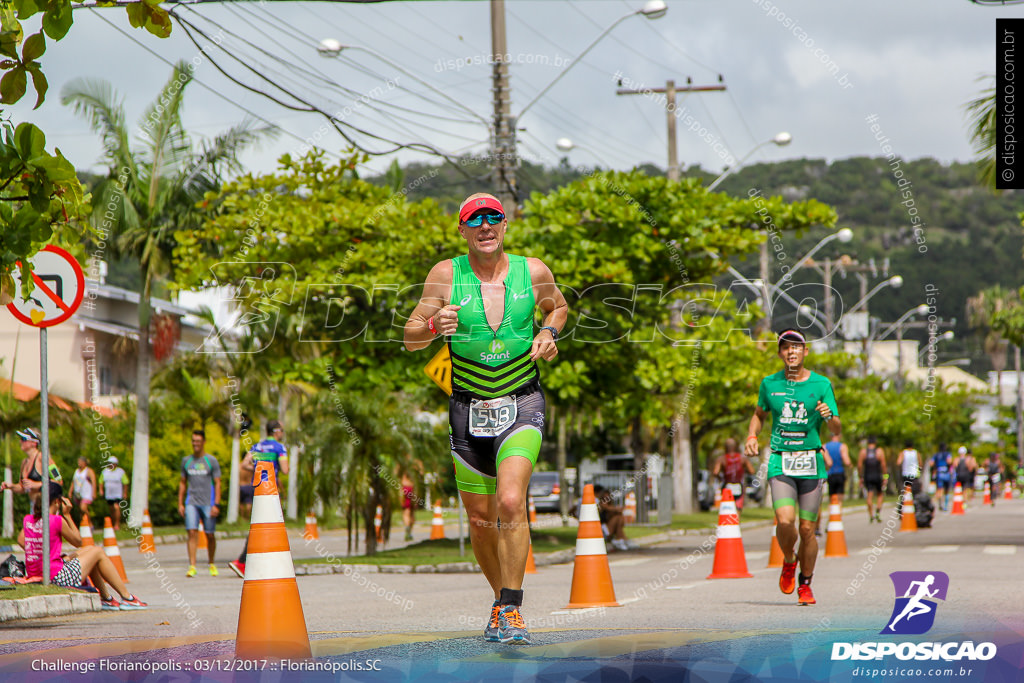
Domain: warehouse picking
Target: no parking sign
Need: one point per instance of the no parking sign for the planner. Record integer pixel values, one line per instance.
(59, 288)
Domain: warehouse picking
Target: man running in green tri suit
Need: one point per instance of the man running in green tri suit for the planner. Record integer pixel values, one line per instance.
(799, 401)
(484, 304)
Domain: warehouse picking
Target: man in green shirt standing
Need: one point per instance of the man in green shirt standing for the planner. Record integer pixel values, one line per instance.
(799, 401)
(484, 304)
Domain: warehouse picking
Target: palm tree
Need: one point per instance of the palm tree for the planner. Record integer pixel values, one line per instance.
(355, 441)
(152, 192)
(982, 312)
(981, 113)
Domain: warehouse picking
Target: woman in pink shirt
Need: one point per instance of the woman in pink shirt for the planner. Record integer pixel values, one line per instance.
(91, 561)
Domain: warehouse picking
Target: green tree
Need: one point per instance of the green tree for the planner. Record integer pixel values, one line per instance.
(636, 256)
(40, 195)
(982, 313)
(154, 187)
(354, 441)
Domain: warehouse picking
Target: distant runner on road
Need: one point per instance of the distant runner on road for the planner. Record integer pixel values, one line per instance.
(873, 473)
(484, 304)
(799, 401)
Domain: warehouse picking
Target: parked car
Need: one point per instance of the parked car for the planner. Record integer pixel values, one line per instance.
(705, 490)
(545, 489)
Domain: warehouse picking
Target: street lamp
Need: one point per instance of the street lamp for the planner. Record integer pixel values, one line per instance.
(895, 282)
(898, 326)
(781, 140)
(844, 235)
(760, 288)
(567, 145)
(652, 9)
(329, 47)
(916, 310)
(945, 336)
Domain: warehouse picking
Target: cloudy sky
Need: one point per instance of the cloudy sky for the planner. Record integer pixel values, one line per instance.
(912, 63)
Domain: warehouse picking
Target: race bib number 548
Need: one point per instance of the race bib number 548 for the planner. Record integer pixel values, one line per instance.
(493, 416)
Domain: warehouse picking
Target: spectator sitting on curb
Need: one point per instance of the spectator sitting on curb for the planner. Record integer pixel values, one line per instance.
(613, 522)
(70, 573)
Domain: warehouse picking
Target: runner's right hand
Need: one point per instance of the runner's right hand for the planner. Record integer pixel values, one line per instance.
(752, 448)
(447, 320)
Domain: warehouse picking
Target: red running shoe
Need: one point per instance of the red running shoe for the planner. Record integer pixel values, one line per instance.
(787, 582)
(806, 596)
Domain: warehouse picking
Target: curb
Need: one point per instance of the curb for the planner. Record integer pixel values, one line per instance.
(48, 606)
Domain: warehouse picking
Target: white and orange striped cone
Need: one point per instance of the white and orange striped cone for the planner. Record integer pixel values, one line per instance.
(775, 556)
(909, 522)
(311, 532)
(378, 524)
(629, 513)
(437, 526)
(270, 620)
(591, 575)
(730, 560)
(146, 542)
(111, 549)
(835, 538)
(1008, 491)
(531, 564)
(718, 499)
(203, 542)
(533, 511)
(958, 500)
(988, 495)
(85, 530)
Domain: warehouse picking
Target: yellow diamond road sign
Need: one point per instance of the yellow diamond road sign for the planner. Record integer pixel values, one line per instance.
(439, 369)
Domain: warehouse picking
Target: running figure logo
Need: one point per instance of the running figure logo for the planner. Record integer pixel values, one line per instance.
(916, 593)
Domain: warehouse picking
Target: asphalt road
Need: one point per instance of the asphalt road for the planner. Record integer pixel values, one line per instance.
(671, 618)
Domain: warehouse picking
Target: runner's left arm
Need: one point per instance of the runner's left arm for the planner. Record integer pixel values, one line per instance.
(551, 302)
(829, 411)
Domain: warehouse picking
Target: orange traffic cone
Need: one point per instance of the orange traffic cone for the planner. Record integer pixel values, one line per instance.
(909, 518)
(988, 495)
(111, 549)
(533, 512)
(146, 543)
(730, 561)
(86, 532)
(437, 526)
(203, 543)
(378, 524)
(958, 500)
(718, 499)
(591, 575)
(629, 513)
(311, 532)
(270, 620)
(775, 557)
(531, 564)
(1008, 491)
(835, 540)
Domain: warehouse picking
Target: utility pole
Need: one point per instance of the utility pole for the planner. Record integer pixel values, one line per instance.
(503, 137)
(672, 113)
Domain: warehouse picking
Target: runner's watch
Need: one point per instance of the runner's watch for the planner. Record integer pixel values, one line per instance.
(554, 332)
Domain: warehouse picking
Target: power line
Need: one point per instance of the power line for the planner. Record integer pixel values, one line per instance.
(188, 27)
(215, 91)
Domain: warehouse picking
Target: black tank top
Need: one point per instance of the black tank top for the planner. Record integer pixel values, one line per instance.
(872, 468)
(962, 469)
